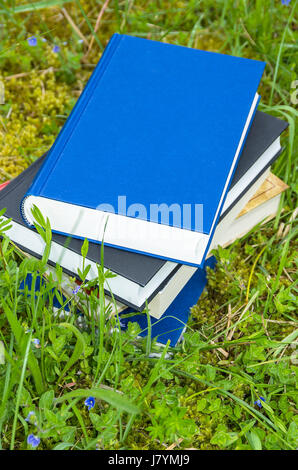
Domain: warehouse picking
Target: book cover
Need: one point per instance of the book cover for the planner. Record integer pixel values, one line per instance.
(264, 130)
(150, 128)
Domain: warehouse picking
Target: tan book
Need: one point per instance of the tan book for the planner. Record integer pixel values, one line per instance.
(260, 208)
(271, 187)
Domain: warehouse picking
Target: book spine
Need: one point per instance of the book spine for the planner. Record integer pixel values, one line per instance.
(72, 121)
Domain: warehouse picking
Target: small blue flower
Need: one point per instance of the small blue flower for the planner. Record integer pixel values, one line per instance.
(259, 402)
(76, 290)
(43, 39)
(32, 41)
(31, 418)
(33, 440)
(89, 402)
(286, 2)
(56, 49)
(36, 342)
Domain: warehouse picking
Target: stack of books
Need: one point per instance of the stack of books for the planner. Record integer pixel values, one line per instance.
(161, 166)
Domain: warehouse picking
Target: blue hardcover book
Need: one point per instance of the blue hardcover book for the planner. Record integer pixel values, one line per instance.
(147, 155)
(170, 325)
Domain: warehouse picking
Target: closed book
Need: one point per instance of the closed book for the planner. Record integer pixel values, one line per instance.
(147, 155)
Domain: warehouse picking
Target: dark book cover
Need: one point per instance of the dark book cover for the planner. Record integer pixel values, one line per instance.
(263, 131)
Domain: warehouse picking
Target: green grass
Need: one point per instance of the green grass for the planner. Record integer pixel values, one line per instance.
(241, 342)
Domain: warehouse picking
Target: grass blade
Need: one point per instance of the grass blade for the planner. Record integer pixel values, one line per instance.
(110, 396)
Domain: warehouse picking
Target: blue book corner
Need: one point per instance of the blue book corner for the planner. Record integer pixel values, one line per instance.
(156, 124)
(172, 323)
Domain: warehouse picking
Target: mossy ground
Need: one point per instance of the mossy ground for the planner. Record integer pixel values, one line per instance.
(203, 396)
